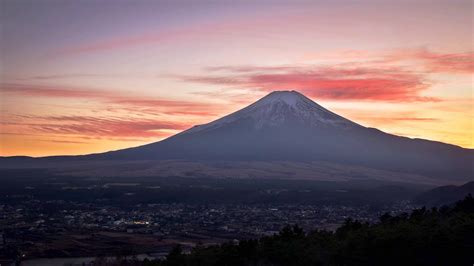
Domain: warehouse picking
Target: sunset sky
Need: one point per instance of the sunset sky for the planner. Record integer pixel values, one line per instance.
(85, 76)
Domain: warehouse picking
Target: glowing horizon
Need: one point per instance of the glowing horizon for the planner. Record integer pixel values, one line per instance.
(87, 77)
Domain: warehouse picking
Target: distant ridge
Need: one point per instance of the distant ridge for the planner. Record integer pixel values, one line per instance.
(445, 194)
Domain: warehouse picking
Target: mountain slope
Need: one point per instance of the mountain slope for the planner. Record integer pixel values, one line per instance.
(287, 126)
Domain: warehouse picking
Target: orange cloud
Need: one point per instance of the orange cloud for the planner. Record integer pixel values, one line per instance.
(416, 119)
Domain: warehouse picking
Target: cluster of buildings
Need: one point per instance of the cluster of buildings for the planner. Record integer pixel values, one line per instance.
(32, 219)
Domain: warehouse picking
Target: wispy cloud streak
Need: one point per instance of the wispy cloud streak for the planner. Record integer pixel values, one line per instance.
(95, 127)
(119, 100)
(454, 63)
(121, 115)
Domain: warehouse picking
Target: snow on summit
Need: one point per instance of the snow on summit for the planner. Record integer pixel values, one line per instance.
(288, 97)
(278, 108)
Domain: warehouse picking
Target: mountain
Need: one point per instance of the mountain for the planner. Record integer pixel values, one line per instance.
(286, 126)
(445, 194)
(280, 126)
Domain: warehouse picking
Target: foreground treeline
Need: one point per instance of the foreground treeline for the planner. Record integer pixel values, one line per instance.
(443, 236)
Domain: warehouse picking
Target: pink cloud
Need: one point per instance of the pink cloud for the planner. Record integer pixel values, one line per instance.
(461, 62)
(46, 91)
(119, 101)
(132, 116)
(448, 62)
(430, 61)
(97, 127)
(333, 83)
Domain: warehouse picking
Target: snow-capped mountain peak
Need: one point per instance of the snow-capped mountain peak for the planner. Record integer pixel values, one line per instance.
(278, 108)
(289, 97)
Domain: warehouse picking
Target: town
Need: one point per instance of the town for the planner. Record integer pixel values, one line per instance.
(34, 228)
